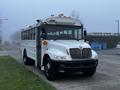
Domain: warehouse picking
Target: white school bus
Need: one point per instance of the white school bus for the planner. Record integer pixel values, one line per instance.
(56, 44)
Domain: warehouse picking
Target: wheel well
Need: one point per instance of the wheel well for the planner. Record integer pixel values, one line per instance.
(44, 59)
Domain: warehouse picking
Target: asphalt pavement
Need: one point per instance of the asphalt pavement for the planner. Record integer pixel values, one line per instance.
(107, 76)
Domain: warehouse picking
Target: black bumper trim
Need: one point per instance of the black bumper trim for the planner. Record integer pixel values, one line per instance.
(75, 65)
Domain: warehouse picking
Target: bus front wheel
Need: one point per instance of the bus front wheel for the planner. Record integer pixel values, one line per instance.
(49, 70)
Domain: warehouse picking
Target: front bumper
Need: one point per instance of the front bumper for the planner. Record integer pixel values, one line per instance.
(80, 65)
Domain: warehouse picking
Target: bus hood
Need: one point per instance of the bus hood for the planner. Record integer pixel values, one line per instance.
(68, 44)
(60, 48)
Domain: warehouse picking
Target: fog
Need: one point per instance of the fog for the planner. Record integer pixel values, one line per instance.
(96, 15)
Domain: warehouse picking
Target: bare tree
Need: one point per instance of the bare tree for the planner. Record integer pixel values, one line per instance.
(0, 31)
(0, 37)
(15, 37)
(0, 23)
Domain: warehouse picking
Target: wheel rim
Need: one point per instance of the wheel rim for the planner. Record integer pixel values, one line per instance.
(47, 68)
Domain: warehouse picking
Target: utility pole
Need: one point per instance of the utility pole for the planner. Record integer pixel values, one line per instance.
(117, 26)
(1, 19)
(4, 19)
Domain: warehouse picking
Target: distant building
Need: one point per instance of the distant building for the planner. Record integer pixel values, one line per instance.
(100, 40)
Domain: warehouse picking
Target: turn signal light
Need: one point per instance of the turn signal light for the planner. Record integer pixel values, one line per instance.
(45, 42)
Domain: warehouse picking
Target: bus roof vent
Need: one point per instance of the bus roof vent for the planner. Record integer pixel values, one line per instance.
(63, 20)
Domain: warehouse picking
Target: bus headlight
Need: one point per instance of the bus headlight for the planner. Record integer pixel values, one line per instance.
(60, 57)
(56, 57)
(95, 57)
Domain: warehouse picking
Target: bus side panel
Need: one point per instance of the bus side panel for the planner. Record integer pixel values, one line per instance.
(30, 46)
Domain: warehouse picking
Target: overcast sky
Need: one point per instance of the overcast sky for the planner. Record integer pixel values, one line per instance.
(97, 15)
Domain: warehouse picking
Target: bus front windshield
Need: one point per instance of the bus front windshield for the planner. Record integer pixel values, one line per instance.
(64, 32)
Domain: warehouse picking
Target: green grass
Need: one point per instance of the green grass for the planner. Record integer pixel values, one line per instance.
(14, 76)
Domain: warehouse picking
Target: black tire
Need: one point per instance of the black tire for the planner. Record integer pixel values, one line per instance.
(49, 70)
(89, 72)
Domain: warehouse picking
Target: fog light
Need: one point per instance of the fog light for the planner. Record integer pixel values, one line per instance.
(64, 57)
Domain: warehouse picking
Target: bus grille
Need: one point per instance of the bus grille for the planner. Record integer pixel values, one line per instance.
(77, 53)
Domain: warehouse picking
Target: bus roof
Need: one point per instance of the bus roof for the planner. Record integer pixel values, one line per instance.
(57, 20)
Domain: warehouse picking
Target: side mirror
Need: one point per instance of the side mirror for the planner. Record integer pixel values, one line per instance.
(85, 35)
(43, 34)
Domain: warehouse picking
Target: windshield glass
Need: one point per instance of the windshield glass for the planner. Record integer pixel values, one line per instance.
(64, 32)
